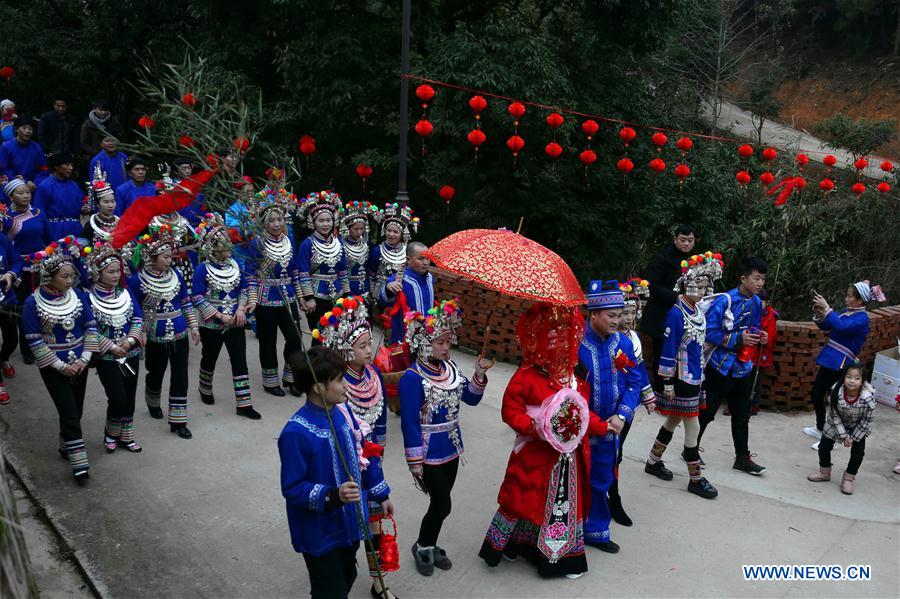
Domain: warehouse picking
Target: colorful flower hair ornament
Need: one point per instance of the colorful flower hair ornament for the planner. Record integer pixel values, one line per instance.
(708, 266)
(401, 216)
(155, 242)
(55, 256)
(316, 202)
(99, 256)
(99, 188)
(343, 325)
(422, 329)
(356, 212)
(270, 199)
(212, 235)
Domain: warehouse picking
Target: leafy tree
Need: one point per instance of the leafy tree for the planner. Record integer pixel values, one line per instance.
(859, 136)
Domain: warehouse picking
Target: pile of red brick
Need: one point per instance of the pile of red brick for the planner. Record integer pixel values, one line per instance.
(786, 385)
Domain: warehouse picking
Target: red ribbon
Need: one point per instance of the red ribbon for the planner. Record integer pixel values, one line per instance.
(400, 307)
(372, 450)
(786, 186)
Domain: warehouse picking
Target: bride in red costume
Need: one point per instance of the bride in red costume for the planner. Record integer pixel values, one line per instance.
(545, 492)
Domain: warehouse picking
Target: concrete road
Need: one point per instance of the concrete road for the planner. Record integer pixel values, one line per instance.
(205, 517)
(782, 136)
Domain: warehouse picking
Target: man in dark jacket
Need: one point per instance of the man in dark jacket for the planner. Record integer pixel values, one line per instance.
(663, 272)
(99, 124)
(57, 130)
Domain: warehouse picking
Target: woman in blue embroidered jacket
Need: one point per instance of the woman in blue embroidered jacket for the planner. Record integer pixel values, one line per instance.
(430, 395)
(847, 332)
(388, 258)
(321, 263)
(273, 286)
(168, 319)
(29, 231)
(354, 228)
(322, 496)
(681, 372)
(220, 296)
(347, 330)
(10, 273)
(61, 331)
(119, 327)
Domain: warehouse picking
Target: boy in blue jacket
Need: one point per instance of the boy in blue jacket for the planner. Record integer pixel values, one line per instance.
(323, 499)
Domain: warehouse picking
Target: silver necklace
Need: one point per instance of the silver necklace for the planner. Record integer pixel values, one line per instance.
(159, 286)
(63, 310)
(103, 229)
(114, 310)
(223, 278)
(357, 251)
(325, 252)
(394, 258)
(278, 250)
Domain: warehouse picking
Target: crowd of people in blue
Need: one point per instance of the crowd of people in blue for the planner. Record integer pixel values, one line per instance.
(73, 302)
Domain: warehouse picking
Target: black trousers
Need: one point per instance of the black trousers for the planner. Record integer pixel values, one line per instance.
(613, 492)
(312, 319)
(857, 452)
(158, 356)
(331, 575)
(825, 380)
(269, 319)
(439, 482)
(9, 329)
(67, 393)
(736, 393)
(120, 387)
(235, 342)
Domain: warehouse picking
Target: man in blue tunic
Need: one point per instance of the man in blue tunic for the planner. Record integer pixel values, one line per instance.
(137, 185)
(733, 326)
(60, 198)
(22, 158)
(607, 363)
(111, 161)
(417, 285)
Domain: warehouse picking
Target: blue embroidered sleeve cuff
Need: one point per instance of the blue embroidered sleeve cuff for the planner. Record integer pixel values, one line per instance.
(414, 455)
(317, 498)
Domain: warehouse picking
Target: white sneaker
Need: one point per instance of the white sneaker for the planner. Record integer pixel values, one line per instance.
(811, 431)
(574, 576)
(815, 446)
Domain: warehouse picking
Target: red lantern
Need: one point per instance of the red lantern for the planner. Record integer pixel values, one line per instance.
(425, 92)
(829, 160)
(307, 146)
(477, 104)
(887, 166)
(625, 165)
(241, 143)
(446, 192)
(515, 144)
(682, 171)
(553, 149)
(590, 128)
(746, 151)
(627, 135)
(799, 182)
(186, 141)
(685, 144)
(476, 137)
(743, 177)
(858, 189)
(659, 139)
(883, 187)
(189, 99)
(146, 123)
(364, 171)
(554, 120)
(826, 185)
(424, 128)
(802, 160)
(7, 73)
(766, 178)
(769, 154)
(657, 165)
(516, 110)
(388, 553)
(860, 164)
(588, 157)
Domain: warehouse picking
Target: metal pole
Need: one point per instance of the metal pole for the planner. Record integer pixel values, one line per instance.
(402, 195)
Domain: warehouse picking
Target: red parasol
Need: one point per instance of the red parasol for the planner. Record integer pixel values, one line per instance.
(509, 264)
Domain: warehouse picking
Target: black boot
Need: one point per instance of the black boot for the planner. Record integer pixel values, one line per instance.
(276, 391)
(207, 399)
(658, 470)
(291, 388)
(615, 506)
(155, 412)
(702, 488)
(249, 412)
(181, 430)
